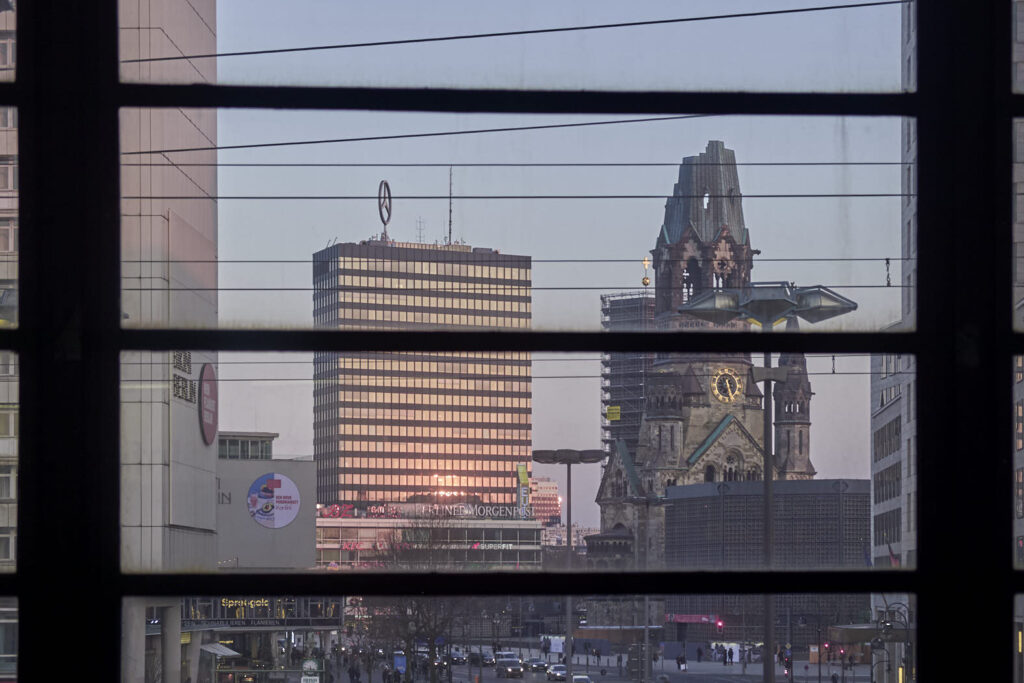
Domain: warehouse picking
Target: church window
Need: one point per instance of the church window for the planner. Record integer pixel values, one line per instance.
(672, 436)
(659, 437)
(709, 473)
(800, 443)
(789, 441)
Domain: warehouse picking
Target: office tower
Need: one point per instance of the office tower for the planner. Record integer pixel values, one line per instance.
(547, 504)
(401, 427)
(622, 373)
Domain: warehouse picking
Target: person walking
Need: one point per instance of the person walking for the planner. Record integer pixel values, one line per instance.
(618, 660)
(682, 662)
(731, 658)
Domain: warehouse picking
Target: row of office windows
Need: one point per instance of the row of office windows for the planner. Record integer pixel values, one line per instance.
(889, 394)
(430, 382)
(351, 316)
(360, 493)
(436, 466)
(446, 534)
(890, 365)
(468, 299)
(326, 357)
(433, 367)
(393, 449)
(431, 432)
(415, 267)
(889, 527)
(460, 416)
(414, 400)
(425, 481)
(424, 285)
(886, 439)
(888, 483)
(8, 235)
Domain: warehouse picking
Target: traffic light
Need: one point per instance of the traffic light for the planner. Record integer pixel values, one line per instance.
(842, 651)
(720, 625)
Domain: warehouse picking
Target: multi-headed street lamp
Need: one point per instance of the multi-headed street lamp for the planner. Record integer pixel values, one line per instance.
(568, 457)
(767, 304)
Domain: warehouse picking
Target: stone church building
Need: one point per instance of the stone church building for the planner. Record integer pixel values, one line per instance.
(703, 413)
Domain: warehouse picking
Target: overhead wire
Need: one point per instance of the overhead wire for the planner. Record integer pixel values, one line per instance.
(522, 32)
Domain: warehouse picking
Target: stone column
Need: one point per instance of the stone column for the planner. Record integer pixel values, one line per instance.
(133, 640)
(170, 637)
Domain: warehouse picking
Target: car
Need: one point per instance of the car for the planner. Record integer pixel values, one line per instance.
(581, 679)
(508, 668)
(556, 672)
(488, 659)
(537, 664)
(458, 658)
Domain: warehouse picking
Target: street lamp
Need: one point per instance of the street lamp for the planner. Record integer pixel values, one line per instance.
(898, 617)
(568, 457)
(766, 304)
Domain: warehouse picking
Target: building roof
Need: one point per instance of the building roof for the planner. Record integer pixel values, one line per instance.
(714, 436)
(779, 487)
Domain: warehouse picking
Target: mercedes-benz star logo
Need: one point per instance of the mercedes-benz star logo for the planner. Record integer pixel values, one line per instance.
(384, 202)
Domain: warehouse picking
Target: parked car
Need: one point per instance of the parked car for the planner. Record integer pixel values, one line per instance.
(537, 664)
(581, 679)
(508, 668)
(556, 672)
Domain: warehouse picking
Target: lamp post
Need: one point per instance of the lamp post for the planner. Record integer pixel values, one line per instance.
(885, 628)
(767, 304)
(568, 457)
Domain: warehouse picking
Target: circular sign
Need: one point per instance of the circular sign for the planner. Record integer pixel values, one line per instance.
(384, 202)
(208, 404)
(273, 500)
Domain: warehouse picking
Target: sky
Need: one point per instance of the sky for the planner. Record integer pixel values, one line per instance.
(810, 239)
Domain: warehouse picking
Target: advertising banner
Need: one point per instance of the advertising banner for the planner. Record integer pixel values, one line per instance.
(273, 500)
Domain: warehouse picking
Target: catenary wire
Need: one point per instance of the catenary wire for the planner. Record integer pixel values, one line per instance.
(504, 164)
(406, 136)
(504, 34)
(464, 197)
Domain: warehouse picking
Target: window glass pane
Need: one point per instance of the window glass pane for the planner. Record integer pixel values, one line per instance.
(842, 635)
(389, 447)
(646, 45)
(629, 225)
(9, 637)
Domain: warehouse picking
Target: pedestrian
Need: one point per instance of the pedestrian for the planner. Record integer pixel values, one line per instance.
(730, 657)
(700, 653)
(682, 662)
(725, 658)
(835, 677)
(618, 660)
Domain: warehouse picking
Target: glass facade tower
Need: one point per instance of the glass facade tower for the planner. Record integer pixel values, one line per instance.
(414, 426)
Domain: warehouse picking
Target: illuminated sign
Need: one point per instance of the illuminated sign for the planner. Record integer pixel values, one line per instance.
(208, 404)
(245, 602)
(273, 500)
(430, 510)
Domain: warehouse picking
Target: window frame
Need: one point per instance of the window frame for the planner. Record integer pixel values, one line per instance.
(70, 335)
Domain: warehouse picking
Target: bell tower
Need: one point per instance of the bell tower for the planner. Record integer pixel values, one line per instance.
(793, 416)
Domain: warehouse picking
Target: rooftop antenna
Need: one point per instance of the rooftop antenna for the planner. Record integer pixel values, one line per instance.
(419, 229)
(449, 205)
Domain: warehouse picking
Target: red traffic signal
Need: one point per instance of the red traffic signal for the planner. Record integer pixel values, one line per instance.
(842, 651)
(720, 625)
(826, 645)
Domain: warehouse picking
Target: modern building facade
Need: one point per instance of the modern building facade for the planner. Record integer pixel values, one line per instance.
(265, 509)
(9, 385)
(622, 373)
(545, 500)
(392, 427)
(821, 523)
(168, 510)
(426, 536)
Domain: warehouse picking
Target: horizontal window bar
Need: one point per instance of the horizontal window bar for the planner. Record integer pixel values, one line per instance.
(524, 583)
(709, 342)
(538, 101)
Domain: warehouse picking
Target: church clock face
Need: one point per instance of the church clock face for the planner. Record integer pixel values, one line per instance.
(726, 385)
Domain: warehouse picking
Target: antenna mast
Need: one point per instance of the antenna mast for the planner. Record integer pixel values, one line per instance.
(449, 205)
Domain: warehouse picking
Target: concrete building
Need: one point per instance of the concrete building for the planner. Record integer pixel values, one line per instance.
(265, 509)
(169, 279)
(555, 536)
(546, 502)
(819, 524)
(393, 426)
(426, 536)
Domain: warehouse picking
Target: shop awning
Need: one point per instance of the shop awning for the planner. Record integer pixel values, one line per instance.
(220, 650)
